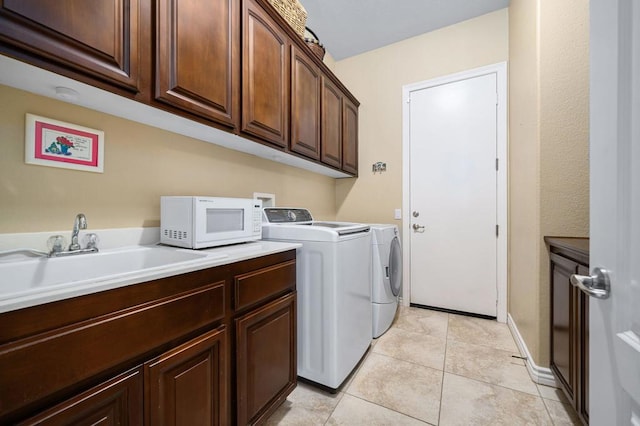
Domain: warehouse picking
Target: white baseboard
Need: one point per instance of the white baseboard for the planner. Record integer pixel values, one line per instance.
(540, 375)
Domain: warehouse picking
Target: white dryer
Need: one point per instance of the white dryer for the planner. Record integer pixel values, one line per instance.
(386, 275)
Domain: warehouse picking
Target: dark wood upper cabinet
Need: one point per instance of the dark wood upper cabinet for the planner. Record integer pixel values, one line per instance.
(235, 65)
(197, 63)
(305, 105)
(265, 76)
(331, 129)
(349, 137)
(187, 385)
(96, 39)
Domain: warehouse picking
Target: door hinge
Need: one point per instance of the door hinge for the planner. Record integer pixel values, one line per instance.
(497, 231)
(497, 98)
(408, 99)
(497, 164)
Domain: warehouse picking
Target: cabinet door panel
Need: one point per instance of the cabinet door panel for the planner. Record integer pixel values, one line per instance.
(187, 385)
(99, 39)
(266, 358)
(197, 67)
(331, 124)
(116, 402)
(563, 355)
(264, 76)
(305, 105)
(350, 137)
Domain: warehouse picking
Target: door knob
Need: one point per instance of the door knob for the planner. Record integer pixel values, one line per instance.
(418, 228)
(597, 285)
(416, 214)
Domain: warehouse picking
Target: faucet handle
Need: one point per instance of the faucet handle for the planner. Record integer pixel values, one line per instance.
(56, 244)
(91, 240)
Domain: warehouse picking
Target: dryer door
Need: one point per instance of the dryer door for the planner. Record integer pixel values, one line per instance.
(395, 267)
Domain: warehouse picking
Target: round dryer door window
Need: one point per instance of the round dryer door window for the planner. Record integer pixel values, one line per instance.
(395, 267)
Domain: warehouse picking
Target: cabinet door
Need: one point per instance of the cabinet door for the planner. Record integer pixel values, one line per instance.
(188, 385)
(583, 393)
(116, 402)
(266, 358)
(197, 66)
(265, 76)
(349, 137)
(99, 39)
(305, 105)
(564, 339)
(331, 130)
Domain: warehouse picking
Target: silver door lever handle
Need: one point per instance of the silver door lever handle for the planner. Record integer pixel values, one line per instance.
(418, 228)
(597, 285)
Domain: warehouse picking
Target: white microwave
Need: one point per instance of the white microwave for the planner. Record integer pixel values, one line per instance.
(199, 222)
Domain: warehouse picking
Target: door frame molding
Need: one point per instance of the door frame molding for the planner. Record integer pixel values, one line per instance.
(500, 69)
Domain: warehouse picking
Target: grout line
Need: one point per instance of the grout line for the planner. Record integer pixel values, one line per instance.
(334, 408)
(444, 366)
(411, 362)
(391, 409)
(495, 384)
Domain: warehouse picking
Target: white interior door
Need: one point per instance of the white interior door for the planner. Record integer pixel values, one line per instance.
(453, 195)
(614, 323)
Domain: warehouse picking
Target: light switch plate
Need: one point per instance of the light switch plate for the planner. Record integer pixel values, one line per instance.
(397, 214)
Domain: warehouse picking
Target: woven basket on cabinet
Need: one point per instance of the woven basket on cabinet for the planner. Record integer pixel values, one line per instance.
(292, 12)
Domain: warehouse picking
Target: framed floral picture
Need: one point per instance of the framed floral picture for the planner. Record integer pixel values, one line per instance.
(55, 143)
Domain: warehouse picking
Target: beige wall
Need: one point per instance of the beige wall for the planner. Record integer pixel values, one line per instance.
(141, 164)
(524, 172)
(376, 79)
(549, 179)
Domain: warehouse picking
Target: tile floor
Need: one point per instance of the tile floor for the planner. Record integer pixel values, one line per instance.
(433, 368)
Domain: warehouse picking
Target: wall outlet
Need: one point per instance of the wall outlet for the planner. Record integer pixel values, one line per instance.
(397, 214)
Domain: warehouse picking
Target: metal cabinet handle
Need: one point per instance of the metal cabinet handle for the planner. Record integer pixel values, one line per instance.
(597, 285)
(418, 228)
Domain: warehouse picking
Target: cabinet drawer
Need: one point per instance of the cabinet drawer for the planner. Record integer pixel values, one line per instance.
(117, 402)
(256, 286)
(46, 363)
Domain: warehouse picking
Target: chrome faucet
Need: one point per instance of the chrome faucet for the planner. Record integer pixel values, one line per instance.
(79, 223)
(56, 242)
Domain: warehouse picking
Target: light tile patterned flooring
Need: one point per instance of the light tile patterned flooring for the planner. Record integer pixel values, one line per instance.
(433, 368)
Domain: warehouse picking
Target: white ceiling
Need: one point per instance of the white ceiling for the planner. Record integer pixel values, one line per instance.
(351, 27)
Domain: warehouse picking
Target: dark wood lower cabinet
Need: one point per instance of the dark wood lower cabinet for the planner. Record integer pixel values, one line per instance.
(115, 402)
(266, 359)
(188, 385)
(570, 321)
(173, 351)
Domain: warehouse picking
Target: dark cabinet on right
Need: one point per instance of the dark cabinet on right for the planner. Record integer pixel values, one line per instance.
(570, 320)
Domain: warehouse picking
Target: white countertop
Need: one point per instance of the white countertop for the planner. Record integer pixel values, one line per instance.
(15, 296)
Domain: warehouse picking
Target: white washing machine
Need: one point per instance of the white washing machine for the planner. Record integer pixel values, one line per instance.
(386, 276)
(333, 270)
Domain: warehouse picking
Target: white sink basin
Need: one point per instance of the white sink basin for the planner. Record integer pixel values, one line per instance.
(20, 278)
